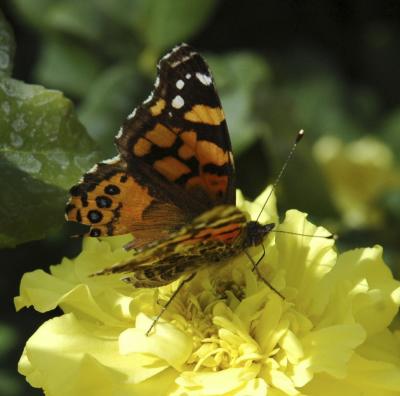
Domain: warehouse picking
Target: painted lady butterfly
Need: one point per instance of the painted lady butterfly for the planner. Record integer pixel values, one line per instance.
(173, 184)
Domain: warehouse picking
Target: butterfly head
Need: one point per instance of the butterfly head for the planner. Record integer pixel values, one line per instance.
(256, 232)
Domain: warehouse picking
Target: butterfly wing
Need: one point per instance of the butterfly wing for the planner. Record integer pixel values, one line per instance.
(180, 131)
(213, 236)
(175, 159)
(112, 201)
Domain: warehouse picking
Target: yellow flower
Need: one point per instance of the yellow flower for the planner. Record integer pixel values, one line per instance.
(358, 173)
(226, 332)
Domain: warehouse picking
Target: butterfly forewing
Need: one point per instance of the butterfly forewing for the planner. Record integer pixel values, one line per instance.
(175, 159)
(180, 130)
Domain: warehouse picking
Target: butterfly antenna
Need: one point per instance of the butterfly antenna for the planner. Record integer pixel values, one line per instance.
(330, 236)
(299, 136)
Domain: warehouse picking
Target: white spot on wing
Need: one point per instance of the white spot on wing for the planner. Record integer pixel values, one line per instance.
(178, 102)
(150, 97)
(157, 82)
(188, 76)
(112, 160)
(176, 48)
(180, 84)
(204, 79)
(182, 60)
(119, 134)
(130, 116)
(93, 169)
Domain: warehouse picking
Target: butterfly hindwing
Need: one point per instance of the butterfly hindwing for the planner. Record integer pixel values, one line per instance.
(111, 201)
(210, 237)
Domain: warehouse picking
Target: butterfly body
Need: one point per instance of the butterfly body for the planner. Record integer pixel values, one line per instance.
(173, 183)
(214, 236)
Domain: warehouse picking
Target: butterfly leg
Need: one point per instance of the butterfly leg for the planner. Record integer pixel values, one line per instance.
(164, 307)
(255, 268)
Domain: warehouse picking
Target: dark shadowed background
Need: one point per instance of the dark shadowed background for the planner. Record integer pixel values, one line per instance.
(329, 67)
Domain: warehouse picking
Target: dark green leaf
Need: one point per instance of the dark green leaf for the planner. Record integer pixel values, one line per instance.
(66, 66)
(391, 131)
(111, 98)
(7, 46)
(316, 104)
(8, 338)
(73, 16)
(43, 151)
(93, 25)
(122, 12)
(34, 12)
(9, 384)
(303, 175)
(162, 24)
(239, 78)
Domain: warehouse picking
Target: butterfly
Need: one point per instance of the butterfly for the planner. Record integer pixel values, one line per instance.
(172, 186)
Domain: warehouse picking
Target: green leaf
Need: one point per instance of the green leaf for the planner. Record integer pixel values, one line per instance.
(7, 46)
(8, 338)
(317, 104)
(390, 201)
(162, 24)
(111, 98)
(9, 383)
(304, 175)
(391, 131)
(75, 17)
(66, 66)
(94, 24)
(43, 151)
(121, 12)
(239, 78)
(34, 12)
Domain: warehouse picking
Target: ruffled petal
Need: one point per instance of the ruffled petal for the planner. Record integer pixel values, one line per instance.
(67, 356)
(226, 332)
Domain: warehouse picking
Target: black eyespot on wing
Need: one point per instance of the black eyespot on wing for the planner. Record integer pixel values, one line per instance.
(112, 189)
(95, 232)
(103, 202)
(94, 216)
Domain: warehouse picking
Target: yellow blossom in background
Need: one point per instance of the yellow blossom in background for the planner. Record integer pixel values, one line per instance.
(358, 173)
(226, 332)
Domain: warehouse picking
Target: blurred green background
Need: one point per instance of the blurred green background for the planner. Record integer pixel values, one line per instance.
(70, 71)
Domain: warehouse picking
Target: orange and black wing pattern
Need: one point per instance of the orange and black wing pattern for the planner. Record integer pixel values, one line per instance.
(112, 201)
(175, 159)
(181, 133)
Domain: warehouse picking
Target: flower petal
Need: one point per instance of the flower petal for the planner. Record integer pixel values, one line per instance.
(332, 357)
(362, 278)
(66, 357)
(166, 342)
(304, 259)
(215, 383)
